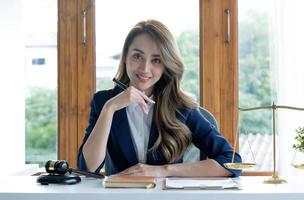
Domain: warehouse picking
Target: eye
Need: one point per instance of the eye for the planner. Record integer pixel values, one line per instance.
(156, 61)
(137, 56)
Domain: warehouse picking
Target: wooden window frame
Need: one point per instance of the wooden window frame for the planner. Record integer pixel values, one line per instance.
(76, 69)
(219, 63)
(76, 74)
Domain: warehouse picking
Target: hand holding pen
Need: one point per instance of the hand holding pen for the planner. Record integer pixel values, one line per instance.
(136, 92)
(124, 87)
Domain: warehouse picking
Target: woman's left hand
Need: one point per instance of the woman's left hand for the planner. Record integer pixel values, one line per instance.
(144, 170)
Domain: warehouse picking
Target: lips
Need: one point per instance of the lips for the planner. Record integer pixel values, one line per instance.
(142, 77)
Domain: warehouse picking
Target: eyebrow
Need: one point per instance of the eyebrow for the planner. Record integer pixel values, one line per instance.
(140, 51)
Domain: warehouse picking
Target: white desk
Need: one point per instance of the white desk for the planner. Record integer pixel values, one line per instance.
(26, 188)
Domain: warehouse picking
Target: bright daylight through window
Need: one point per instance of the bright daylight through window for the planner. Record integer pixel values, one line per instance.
(270, 70)
(28, 78)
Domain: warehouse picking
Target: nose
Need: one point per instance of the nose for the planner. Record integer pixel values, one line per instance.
(145, 66)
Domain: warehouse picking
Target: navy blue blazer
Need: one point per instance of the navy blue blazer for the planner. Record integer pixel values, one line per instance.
(120, 150)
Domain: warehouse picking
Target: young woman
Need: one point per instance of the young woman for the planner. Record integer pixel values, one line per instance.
(146, 128)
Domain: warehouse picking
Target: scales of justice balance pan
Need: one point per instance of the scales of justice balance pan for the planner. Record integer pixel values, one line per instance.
(274, 179)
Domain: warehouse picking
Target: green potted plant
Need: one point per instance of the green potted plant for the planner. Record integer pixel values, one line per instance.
(299, 144)
(299, 147)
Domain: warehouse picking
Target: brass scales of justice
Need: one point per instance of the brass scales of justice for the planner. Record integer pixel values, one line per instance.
(275, 179)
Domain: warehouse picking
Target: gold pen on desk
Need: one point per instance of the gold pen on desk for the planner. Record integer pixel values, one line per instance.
(124, 87)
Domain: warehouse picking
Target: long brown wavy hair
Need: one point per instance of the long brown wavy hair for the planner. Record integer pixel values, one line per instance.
(174, 136)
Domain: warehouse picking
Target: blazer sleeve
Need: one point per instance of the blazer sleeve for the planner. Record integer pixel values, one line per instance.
(97, 103)
(211, 142)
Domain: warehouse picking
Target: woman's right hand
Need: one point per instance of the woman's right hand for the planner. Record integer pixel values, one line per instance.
(129, 96)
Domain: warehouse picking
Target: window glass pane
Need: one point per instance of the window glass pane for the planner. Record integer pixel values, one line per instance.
(181, 17)
(40, 49)
(255, 82)
(271, 70)
(28, 82)
(288, 62)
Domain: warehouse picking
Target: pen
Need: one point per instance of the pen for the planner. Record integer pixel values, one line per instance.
(120, 84)
(124, 87)
(87, 174)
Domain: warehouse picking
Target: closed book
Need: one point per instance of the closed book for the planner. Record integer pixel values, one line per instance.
(130, 182)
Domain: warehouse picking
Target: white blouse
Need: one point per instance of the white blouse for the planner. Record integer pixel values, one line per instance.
(140, 125)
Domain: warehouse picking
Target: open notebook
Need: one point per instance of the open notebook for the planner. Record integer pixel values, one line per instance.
(202, 183)
(130, 182)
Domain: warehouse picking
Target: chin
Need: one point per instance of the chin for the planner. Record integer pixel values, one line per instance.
(141, 85)
(144, 87)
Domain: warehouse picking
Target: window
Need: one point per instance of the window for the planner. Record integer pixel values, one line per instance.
(270, 70)
(29, 106)
(40, 35)
(255, 82)
(288, 63)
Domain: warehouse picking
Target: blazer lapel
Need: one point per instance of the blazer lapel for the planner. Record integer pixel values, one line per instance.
(123, 136)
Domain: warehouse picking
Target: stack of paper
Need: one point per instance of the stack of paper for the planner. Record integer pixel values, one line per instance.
(202, 183)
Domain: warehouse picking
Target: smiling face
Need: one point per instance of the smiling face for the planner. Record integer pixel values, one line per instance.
(143, 63)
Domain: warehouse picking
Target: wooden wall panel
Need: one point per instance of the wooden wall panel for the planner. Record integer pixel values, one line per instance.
(211, 56)
(229, 74)
(219, 70)
(86, 66)
(67, 81)
(76, 74)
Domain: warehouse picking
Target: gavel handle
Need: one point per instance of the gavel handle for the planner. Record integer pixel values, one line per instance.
(87, 174)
